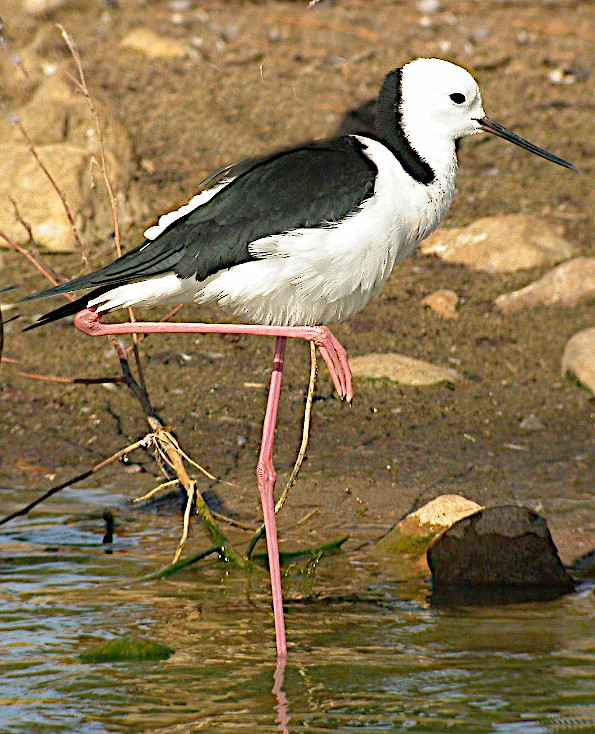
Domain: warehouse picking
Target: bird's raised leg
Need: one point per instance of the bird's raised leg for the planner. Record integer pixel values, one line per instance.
(266, 476)
(335, 357)
(331, 349)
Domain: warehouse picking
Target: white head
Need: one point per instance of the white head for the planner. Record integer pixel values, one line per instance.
(437, 103)
(441, 99)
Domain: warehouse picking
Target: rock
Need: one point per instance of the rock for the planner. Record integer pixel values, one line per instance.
(41, 7)
(444, 302)
(566, 285)
(401, 369)
(579, 357)
(500, 244)
(154, 46)
(58, 122)
(429, 520)
(409, 539)
(498, 546)
(531, 423)
(23, 181)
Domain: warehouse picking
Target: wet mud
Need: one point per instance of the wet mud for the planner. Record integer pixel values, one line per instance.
(265, 75)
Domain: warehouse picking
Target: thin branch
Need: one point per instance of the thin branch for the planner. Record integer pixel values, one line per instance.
(82, 85)
(230, 521)
(306, 426)
(71, 380)
(102, 464)
(21, 220)
(156, 490)
(44, 269)
(66, 206)
(174, 567)
(198, 466)
(186, 526)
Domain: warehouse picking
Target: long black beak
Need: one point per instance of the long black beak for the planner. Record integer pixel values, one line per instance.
(493, 127)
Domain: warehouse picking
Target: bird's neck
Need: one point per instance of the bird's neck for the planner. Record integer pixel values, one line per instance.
(406, 142)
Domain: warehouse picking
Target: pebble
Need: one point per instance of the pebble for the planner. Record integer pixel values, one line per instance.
(41, 7)
(531, 423)
(402, 369)
(566, 285)
(503, 243)
(154, 46)
(428, 6)
(444, 302)
(579, 358)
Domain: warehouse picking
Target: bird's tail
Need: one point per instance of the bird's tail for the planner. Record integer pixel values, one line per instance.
(68, 309)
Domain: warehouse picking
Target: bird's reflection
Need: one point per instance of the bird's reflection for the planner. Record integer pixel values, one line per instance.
(282, 706)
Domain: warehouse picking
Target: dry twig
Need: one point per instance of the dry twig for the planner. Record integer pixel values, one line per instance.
(69, 215)
(36, 261)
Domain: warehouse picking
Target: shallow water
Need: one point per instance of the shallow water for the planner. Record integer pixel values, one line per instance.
(367, 654)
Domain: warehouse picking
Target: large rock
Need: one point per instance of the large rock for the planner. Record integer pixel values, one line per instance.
(58, 122)
(498, 546)
(579, 357)
(23, 182)
(500, 244)
(401, 369)
(566, 285)
(403, 549)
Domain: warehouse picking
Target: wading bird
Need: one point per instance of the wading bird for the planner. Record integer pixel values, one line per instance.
(301, 238)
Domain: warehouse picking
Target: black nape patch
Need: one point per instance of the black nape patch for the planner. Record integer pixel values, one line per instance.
(390, 129)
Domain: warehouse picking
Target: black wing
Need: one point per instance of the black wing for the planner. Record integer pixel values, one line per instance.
(316, 183)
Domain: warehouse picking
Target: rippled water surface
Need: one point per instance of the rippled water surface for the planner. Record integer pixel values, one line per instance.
(368, 654)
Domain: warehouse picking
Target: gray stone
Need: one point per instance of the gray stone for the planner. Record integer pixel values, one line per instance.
(498, 546)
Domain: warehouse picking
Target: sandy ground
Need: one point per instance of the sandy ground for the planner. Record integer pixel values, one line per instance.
(272, 73)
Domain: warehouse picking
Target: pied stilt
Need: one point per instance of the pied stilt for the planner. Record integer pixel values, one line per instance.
(301, 238)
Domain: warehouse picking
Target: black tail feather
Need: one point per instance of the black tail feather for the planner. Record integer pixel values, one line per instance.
(68, 309)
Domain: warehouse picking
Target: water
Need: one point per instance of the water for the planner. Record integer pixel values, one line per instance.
(367, 654)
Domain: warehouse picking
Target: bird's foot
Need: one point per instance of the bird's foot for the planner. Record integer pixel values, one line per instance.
(88, 322)
(335, 356)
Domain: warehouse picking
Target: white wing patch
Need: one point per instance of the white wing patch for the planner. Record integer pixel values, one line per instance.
(166, 219)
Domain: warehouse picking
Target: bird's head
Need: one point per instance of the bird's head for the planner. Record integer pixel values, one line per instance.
(440, 101)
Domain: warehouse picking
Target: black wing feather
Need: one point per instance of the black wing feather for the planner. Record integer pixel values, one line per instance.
(317, 183)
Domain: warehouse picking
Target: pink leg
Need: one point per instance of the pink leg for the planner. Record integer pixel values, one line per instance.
(331, 350)
(335, 357)
(266, 476)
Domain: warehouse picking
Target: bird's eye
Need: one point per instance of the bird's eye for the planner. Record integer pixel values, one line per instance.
(457, 98)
